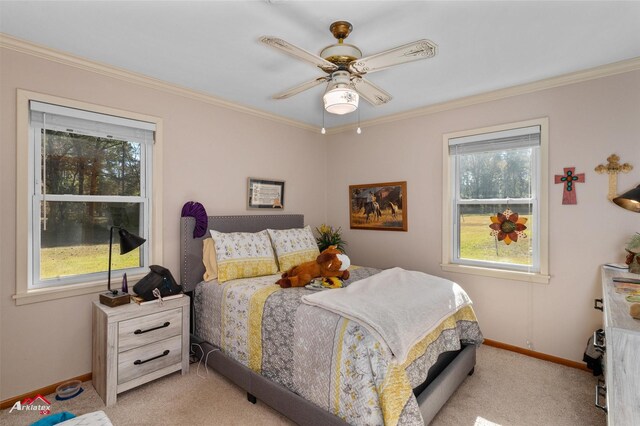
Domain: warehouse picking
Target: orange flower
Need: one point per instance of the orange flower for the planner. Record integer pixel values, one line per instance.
(508, 226)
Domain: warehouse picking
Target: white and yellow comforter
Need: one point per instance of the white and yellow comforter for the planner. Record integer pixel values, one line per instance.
(326, 358)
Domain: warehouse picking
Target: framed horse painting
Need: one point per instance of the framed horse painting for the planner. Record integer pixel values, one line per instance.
(378, 206)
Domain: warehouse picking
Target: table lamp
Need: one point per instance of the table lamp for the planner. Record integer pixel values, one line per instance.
(128, 242)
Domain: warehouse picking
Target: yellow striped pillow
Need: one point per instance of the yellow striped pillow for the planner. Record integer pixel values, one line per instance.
(243, 255)
(294, 246)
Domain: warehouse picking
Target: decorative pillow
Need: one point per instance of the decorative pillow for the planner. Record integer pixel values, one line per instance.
(209, 260)
(243, 255)
(294, 246)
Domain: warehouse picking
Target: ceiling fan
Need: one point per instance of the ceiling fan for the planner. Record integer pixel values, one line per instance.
(346, 68)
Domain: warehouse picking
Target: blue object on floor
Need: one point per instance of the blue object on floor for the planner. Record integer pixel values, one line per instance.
(68, 390)
(54, 419)
(59, 398)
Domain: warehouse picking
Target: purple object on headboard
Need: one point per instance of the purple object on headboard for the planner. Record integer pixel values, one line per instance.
(196, 210)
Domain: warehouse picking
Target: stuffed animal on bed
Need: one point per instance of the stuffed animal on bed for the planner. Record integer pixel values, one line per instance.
(330, 263)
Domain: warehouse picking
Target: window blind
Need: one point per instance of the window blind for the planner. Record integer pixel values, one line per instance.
(88, 123)
(508, 139)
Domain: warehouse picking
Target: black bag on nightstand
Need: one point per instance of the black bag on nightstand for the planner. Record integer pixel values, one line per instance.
(159, 278)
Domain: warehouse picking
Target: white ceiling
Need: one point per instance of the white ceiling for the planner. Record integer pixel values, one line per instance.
(212, 46)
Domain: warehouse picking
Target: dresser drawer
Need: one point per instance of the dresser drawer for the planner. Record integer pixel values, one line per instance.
(141, 331)
(147, 359)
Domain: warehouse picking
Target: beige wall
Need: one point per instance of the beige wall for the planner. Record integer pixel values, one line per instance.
(588, 121)
(208, 154)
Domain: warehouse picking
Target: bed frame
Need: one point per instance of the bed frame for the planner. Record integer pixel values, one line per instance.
(443, 379)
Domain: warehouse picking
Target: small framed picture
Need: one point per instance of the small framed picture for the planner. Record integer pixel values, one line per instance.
(265, 194)
(378, 206)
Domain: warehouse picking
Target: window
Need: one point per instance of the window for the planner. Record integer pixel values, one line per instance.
(86, 170)
(494, 176)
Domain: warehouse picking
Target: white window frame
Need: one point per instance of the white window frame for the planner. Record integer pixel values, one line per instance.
(539, 271)
(28, 288)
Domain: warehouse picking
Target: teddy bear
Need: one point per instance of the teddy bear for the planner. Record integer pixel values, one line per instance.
(330, 263)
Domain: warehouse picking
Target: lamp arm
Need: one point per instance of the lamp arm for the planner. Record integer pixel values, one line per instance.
(110, 249)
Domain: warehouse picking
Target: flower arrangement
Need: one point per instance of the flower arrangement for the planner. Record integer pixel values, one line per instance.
(327, 236)
(633, 258)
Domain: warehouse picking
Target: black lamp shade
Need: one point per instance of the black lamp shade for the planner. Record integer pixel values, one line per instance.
(129, 241)
(630, 200)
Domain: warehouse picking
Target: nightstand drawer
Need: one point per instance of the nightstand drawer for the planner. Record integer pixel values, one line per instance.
(147, 359)
(141, 331)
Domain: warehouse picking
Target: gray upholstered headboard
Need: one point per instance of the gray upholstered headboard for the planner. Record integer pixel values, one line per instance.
(191, 266)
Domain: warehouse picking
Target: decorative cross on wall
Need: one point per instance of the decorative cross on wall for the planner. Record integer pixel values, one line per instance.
(569, 177)
(612, 168)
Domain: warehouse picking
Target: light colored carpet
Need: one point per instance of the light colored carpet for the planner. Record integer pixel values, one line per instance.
(512, 389)
(506, 389)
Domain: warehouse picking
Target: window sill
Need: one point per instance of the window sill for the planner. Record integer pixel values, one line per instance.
(497, 273)
(63, 292)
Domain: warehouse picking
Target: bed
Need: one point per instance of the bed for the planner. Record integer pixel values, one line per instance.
(359, 386)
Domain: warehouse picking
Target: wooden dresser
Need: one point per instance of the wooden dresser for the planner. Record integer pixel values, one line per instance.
(621, 354)
(134, 344)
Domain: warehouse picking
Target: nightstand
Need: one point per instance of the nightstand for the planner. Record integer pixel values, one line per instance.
(134, 344)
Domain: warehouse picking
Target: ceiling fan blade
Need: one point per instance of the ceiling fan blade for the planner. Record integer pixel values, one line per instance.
(299, 53)
(420, 49)
(370, 92)
(300, 88)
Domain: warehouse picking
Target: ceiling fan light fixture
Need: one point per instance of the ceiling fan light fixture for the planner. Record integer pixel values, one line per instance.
(341, 100)
(340, 97)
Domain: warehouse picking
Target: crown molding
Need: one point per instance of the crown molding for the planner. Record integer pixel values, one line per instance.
(36, 50)
(15, 44)
(522, 89)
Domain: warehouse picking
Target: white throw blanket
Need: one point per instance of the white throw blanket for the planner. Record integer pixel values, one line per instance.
(398, 307)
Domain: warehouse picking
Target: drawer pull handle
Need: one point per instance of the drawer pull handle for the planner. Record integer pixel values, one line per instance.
(597, 304)
(598, 341)
(601, 390)
(138, 362)
(166, 324)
